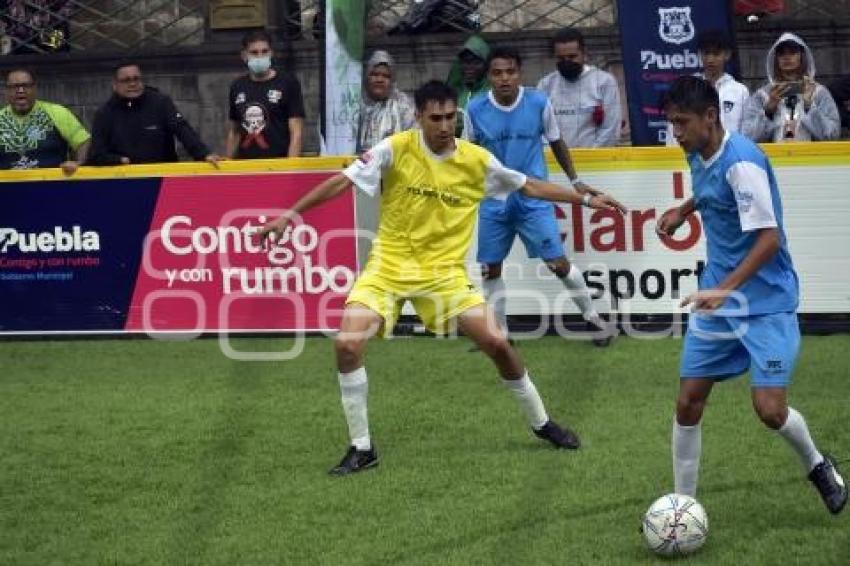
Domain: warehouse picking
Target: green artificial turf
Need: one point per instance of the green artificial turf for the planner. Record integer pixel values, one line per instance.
(157, 452)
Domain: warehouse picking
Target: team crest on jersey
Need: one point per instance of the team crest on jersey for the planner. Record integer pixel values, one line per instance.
(275, 96)
(745, 199)
(675, 25)
(240, 98)
(728, 105)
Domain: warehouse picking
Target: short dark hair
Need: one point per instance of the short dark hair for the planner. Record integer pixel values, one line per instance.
(124, 63)
(21, 70)
(504, 52)
(692, 94)
(568, 35)
(433, 91)
(256, 35)
(713, 39)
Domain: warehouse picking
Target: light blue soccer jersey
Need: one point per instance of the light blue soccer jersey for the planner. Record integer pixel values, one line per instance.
(736, 194)
(514, 134)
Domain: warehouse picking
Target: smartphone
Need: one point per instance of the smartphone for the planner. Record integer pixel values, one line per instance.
(795, 88)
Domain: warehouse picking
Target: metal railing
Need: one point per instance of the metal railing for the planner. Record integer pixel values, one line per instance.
(51, 25)
(43, 26)
(817, 9)
(406, 16)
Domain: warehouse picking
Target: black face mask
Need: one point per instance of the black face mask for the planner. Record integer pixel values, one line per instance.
(570, 70)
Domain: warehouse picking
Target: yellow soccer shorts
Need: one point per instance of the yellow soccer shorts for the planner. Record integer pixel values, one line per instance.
(437, 300)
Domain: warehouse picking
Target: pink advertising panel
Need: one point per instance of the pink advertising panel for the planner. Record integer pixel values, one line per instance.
(204, 268)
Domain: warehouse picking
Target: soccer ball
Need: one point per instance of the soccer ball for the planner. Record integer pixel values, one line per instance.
(675, 525)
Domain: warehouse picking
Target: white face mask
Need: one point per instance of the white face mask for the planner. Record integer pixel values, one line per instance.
(259, 65)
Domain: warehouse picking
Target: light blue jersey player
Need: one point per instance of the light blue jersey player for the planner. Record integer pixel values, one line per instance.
(511, 121)
(744, 313)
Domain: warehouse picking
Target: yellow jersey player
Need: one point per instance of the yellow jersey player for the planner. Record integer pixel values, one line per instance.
(430, 185)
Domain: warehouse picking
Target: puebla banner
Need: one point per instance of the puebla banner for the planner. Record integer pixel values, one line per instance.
(179, 254)
(173, 254)
(658, 39)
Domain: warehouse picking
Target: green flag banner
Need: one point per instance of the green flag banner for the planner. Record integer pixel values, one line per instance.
(344, 42)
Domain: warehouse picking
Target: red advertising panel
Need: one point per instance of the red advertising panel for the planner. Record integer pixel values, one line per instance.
(204, 268)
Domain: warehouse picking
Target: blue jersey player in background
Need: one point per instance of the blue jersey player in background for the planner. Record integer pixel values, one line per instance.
(744, 313)
(511, 121)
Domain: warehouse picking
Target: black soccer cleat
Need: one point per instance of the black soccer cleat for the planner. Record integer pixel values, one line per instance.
(355, 461)
(603, 335)
(558, 436)
(830, 484)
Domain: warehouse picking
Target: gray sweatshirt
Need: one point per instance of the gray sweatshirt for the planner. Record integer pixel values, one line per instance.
(821, 122)
(587, 110)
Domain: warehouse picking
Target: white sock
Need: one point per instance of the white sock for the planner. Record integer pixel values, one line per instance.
(687, 447)
(529, 400)
(354, 388)
(797, 434)
(494, 292)
(580, 294)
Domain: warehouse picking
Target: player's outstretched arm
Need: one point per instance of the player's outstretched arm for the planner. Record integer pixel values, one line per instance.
(556, 193)
(562, 156)
(326, 190)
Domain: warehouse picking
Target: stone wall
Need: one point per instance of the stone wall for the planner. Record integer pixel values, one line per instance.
(198, 77)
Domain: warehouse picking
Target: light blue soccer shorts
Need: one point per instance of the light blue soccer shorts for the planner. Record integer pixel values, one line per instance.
(499, 222)
(720, 347)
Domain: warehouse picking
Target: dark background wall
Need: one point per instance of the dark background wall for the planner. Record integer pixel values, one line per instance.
(197, 78)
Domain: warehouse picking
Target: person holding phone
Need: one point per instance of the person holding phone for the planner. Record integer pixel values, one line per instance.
(792, 106)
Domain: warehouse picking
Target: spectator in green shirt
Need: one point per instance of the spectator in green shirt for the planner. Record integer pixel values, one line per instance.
(468, 75)
(35, 133)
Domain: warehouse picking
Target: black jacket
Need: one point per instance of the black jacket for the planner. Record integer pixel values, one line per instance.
(142, 129)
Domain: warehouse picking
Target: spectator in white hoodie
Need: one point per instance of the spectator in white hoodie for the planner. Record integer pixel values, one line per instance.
(791, 106)
(586, 99)
(715, 50)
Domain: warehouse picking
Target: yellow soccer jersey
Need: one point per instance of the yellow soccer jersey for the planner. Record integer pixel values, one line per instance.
(429, 202)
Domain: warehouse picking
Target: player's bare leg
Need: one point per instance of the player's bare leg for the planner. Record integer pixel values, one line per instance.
(687, 434)
(480, 325)
(572, 278)
(771, 405)
(496, 294)
(359, 324)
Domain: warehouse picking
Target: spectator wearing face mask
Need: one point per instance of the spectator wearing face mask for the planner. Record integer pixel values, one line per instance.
(586, 99)
(266, 108)
(791, 106)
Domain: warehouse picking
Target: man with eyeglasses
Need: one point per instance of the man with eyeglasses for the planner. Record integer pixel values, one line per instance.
(35, 133)
(138, 124)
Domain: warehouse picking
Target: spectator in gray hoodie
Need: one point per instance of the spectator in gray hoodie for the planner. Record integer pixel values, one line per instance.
(791, 106)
